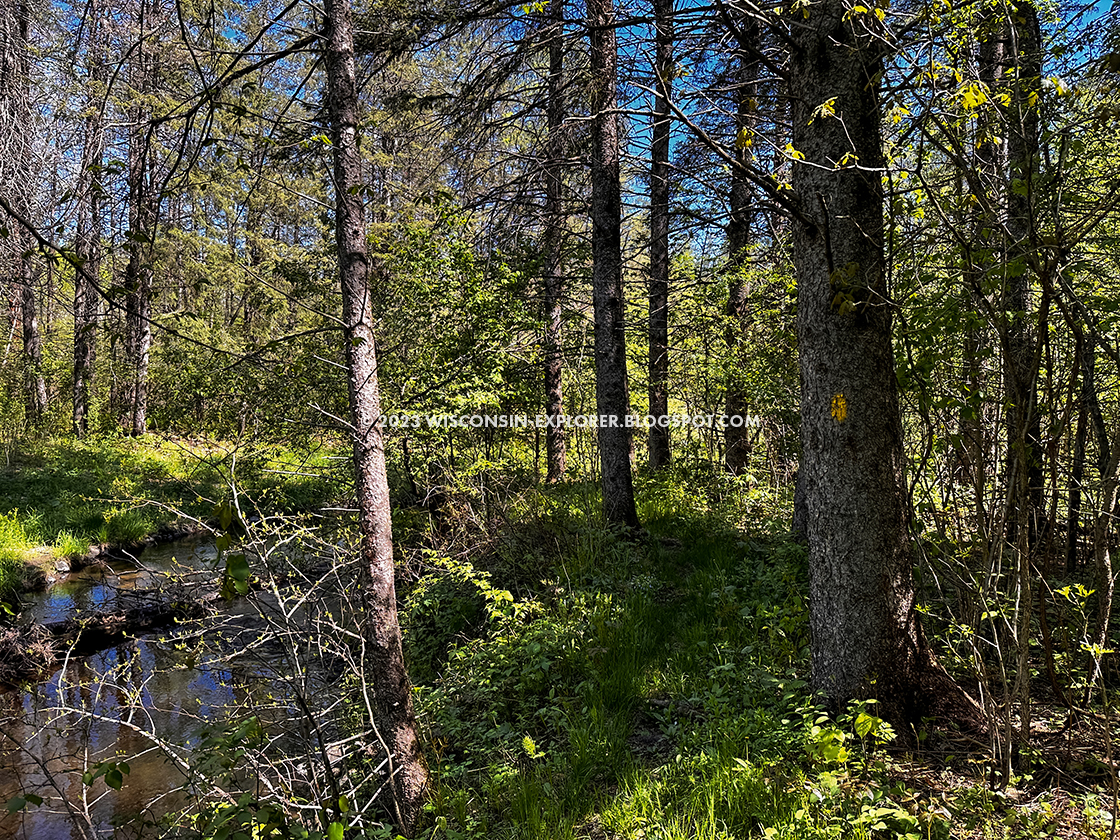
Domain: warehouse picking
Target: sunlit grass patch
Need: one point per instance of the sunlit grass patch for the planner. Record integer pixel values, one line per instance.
(682, 661)
(14, 539)
(16, 545)
(68, 545)
(120, 489)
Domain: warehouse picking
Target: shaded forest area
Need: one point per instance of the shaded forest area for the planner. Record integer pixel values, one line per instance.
(607, 420)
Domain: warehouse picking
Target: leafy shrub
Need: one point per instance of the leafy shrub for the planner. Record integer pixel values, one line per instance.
(454, 603)
(521, 679)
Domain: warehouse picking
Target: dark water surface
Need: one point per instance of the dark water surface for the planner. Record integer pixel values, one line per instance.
(98, 708)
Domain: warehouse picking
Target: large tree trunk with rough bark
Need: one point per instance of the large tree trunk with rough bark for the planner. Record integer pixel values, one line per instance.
(866, 639)
(1021, 360)
(612, 393)
(384, 668)
(143, 204)
(16, 174)
(659, 444)
(555, 226)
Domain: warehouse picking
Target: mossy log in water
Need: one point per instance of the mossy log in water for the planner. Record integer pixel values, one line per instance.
(32, 652)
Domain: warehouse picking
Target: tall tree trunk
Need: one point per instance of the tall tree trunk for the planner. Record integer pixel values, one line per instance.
(1021, 357)
(1104, 581)
(32, 336)
(138, 283)
(866, 639)
(612, 394)
(384, 661)
(555, 225)
(89, 228)
(737, 440)
(659, 443)
(15, 180)
(143, 207)
(984, 251)
(1022, 341)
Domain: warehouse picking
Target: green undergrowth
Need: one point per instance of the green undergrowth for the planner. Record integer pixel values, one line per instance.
(650, 686)
(15, 546)
(58, 496)
(577, 682)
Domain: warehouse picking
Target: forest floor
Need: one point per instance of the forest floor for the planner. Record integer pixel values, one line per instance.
(578, 683)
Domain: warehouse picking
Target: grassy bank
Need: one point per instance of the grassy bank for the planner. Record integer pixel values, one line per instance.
(59, 496)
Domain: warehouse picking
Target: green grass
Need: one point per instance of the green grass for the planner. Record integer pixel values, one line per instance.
(64, 494)
(15, 545)
(67, 545)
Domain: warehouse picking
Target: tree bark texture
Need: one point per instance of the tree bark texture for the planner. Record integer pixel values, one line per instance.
(1021, 357)
(984, 252)
(16, 173)
(555, 226)
(866, 640)
(89, 226)
(384, 661)
(659, 443)
(143, 204)
(1104, 580)
(32, 335)
(612, 395)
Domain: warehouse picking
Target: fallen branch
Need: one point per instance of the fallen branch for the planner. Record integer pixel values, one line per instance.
(34, 651)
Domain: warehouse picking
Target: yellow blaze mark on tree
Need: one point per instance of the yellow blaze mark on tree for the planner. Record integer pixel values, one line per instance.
(839, 408)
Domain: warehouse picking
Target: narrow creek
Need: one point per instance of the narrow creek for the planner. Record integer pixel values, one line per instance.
(145, 684)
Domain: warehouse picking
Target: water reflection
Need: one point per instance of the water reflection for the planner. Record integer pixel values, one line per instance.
(138, 700)
(98, 588)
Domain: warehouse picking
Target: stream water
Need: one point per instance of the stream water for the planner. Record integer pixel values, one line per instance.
(145, 685)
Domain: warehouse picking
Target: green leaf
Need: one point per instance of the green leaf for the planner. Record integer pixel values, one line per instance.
(866, 724)
(973, 96)
(335, 831)
(18, 803)
(237, 568)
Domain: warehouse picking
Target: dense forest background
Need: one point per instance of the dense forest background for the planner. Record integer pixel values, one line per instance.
(853, 267)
